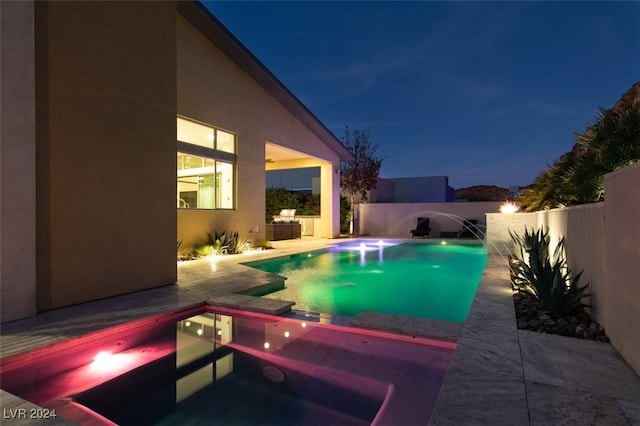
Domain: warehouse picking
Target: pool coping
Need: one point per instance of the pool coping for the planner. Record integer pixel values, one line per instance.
(498, 375)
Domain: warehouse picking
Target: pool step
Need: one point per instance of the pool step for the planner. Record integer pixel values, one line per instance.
(252, 303)
(403, 324)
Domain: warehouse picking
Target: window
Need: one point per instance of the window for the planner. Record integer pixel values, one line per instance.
(205, 168)
(208, 137)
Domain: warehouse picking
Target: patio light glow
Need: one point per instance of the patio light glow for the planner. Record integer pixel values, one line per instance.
(508, 207)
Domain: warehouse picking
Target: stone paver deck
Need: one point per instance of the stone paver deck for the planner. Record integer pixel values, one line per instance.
(498, 375)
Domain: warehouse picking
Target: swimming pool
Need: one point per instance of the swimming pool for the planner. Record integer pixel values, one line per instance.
(219, 366)
(427, 280)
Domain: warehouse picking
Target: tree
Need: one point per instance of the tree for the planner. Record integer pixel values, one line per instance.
(613, 142)
(361, 174)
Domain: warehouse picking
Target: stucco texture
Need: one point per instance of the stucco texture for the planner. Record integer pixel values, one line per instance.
(621, 310)
(18, 162)
(398, 219)
(602, 241)
(106, 96)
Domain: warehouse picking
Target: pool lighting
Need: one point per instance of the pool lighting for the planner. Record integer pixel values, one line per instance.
(266, 345)
(286, 334)
(102, 357)
(303, 325)
(444, 243)
(363, 246)
(105, 362)
(509, 208)
(380, 242)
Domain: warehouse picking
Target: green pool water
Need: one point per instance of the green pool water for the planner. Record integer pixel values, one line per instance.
(424, 280)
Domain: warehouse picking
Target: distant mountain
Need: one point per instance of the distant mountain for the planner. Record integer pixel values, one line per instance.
(482, 193)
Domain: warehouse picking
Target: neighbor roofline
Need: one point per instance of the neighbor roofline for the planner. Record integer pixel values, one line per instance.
(205, 22)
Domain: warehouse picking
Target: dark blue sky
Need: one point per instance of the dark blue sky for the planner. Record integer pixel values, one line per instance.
(482, 92)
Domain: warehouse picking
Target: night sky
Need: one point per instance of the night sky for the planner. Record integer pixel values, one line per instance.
(483, 92)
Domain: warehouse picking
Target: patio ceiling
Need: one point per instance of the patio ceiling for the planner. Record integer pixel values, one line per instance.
(276, 153)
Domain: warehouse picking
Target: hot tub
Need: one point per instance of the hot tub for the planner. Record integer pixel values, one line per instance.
(219, 366)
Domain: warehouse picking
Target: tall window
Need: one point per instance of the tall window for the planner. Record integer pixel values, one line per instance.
(206, 164)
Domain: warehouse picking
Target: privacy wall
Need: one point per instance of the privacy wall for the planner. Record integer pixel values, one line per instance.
(398, 219)
(603, 240)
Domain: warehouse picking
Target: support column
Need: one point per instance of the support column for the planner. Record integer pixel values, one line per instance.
(330, 200)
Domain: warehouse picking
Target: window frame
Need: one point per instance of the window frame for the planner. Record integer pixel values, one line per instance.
(212, 154)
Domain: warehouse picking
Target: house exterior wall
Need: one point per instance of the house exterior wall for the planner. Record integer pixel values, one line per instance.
(106, 149)
(18, 162)
(397, 219)
(214, 90)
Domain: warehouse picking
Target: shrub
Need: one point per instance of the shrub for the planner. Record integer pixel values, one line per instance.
(203, 250)
(545, 277)
(345, 215)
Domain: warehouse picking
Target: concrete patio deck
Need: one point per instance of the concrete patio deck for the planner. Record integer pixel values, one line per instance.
(498, 375)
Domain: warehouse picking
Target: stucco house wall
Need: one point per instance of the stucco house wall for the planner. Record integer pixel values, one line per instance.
(214, 90)
(397, 219)
(17, 157)
(106, 108)
(89, 144)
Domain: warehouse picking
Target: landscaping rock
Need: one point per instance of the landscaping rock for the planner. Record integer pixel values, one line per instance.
(579, 325)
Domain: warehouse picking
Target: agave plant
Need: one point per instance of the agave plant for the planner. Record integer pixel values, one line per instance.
(236, 244)
(545, 277)
(218, 242)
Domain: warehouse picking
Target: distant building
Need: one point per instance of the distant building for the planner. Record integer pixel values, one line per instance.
(425, 189)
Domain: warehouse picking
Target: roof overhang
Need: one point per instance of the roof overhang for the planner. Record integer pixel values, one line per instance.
(198, 15)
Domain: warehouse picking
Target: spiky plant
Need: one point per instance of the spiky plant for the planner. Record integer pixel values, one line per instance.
(545, 277)
(218, 242)
(236, 244)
